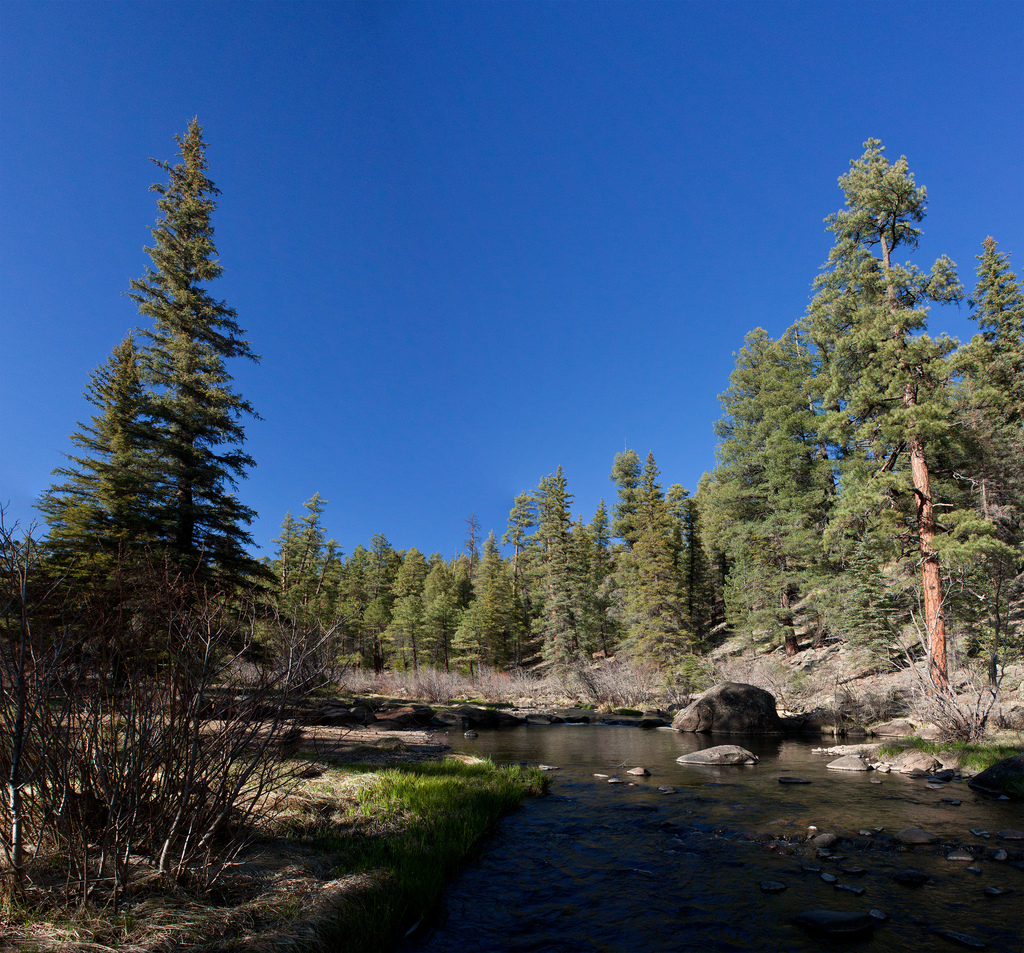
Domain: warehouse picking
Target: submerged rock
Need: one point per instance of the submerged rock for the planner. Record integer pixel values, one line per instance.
(914, 835)
(732, 708)
(834, 922)
(910, 877)
(963, 939)
(720, 754)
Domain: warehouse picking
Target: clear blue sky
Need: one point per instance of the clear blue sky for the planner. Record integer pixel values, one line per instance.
(474, 241)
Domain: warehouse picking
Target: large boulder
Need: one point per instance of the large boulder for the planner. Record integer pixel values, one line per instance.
(1004, 779)
(732, 708)
(720, 754)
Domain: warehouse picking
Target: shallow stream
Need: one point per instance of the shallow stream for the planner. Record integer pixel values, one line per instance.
(595, 866)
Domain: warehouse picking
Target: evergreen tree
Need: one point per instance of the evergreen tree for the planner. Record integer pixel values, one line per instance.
(442, 613)
(771, 494)
(881, 378)
(101, 512)
(658, 628)
(984, 547)
(195, 431)
(405, 632)
(626, 475)
(521, 519)
(557, 624)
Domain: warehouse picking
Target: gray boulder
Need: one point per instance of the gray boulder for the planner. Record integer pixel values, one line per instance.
(1004, 779)
(720, 754)
(732, 708)
(849, 762)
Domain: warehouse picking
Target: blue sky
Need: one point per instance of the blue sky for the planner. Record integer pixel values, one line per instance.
(474, 241)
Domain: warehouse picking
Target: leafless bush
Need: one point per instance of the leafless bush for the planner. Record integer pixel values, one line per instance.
(148, 756)
(618, 684)
(962, 712)
(435, 685)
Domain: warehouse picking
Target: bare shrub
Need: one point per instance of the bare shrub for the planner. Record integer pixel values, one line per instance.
(138, 741)
(435, 685)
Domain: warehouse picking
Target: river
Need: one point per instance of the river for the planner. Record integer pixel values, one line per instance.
(597, 866)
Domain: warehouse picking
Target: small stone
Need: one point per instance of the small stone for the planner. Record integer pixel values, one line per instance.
(853, 871)
(547, 767)
(824, 840)
(964, 855)
(615, 781)
(1010, 835)
(999, 854)
(639, 772)
(849, 888)
(600, 775)
(875, 781)
(866, 833)
(996, 891)
(829, 878)
(914, 835)
(811, 870)
(964, 940)
(788, 780)
(951, 800)
(772, 886)
(667, 789)
(878, 914)
(883, 768)
(910, 877)
(974, 870)
(471, 735)
(979, 832)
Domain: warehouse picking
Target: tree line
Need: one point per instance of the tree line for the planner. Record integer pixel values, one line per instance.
(868, 483)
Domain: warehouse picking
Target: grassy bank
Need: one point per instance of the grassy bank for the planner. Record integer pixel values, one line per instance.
(346, 860)
(415, 824)
(975, 756)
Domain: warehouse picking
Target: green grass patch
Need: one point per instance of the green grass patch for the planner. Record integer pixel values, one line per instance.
(412, 828)
(977, 756)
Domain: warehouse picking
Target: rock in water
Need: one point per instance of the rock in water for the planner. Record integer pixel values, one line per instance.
(834, 922)
(964, 940)
(732, 708)
(1004, 779)
(720, 754)
(914, 835)
(910, 877)
(788, 780)
(850, 762)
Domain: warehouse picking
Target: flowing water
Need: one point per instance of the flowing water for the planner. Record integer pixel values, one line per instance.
(594, 866)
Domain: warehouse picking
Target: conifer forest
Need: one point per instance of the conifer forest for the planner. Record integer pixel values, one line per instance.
(868, 486)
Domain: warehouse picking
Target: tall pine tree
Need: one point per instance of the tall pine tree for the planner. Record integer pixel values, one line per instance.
(881, 378)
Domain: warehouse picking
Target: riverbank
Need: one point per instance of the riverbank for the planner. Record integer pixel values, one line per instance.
(351, 853)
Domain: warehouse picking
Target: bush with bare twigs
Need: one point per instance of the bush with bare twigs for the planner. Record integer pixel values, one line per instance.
(131, 741)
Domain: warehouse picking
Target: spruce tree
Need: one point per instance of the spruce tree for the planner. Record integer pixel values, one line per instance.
(194, 416)
(769, 501)
(101, 513)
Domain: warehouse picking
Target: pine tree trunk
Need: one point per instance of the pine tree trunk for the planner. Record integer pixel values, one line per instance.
(934, 619)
